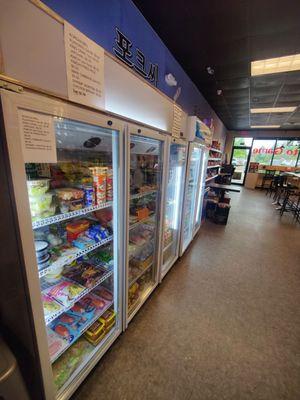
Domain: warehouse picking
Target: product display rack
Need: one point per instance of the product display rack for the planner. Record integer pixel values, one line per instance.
(215, 169)
(69, 215)
(63, 260)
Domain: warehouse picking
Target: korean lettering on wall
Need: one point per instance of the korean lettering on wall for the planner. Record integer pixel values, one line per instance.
(134, 58)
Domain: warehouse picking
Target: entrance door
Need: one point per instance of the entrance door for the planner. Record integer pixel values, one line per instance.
(240, 159)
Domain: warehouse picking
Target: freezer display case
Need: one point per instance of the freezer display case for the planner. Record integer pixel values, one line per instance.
(69, 220)
(201, 191)
(177, 157)
(145, 162)
(194, 168)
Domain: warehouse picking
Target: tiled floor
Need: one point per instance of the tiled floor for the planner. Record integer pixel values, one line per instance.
(224, 324)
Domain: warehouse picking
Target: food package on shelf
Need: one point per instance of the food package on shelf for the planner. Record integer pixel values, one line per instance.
(84, 273)
(65, 292)
(55, 343)
(104, 293)
(99, 181)
(109, 185)
(69, 194)
(64, 367)
(142, 264)
(95, 333)
(51, 307)
(38, 187)
(142, 213)
(108, 318)
(74, 229)
(97, 233)
(104, 257)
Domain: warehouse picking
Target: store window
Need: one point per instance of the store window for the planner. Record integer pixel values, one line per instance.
(243, 142)
(286, 153)
(262, 151)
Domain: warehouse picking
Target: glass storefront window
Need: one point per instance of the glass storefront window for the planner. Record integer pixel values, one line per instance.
(286, 153)
(243, 142)
(262, 151)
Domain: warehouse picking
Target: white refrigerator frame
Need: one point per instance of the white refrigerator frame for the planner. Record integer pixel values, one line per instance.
(191, 146)
(202, 177)
(152, 134)
(11, 103)
(169, 265)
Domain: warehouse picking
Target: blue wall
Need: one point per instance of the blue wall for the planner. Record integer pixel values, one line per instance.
(98, 19)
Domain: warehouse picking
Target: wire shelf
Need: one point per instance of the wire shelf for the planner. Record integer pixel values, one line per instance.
(213, 166)
(62, 217)
(45, 285)
(139, 195)
(63, 260)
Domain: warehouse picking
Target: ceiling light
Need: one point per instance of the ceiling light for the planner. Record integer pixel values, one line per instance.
(265, 126)
(272, 110)
(276, 65)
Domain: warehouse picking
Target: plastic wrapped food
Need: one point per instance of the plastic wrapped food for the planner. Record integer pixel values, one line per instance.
(74, 229)
(69, 194)
(50, 306)
(85, 274)
(41, 207)
(64, 367)
(64, 292)
(38, 187)
(55, 343)
(104, 293)
(95, 333)
(83, 242)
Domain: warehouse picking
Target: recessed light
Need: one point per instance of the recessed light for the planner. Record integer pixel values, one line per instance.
(276, 65)
(265, 126)
(272, 110)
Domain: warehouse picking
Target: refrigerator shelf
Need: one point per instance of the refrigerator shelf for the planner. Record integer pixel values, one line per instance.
(45, 285)
(140, 274)
(68, 215)
(140, 301)
(61, 261)
(168, 245)
(213, 166)
(142, 221)
(214, 159)
(81, 331)
(139, 195)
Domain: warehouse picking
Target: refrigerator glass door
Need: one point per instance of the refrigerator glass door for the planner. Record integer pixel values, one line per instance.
(173, 205)
(145, 191)
(202, 178)
(69, 217)
(190, 201)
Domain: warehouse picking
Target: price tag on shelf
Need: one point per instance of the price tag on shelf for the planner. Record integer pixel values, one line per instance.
(38, 137)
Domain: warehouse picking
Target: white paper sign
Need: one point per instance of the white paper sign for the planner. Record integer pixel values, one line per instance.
(38, 137)
(85, 68)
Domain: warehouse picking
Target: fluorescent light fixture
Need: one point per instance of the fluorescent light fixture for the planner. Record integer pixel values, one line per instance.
(272, 110)
(276, 65)
(265, 126)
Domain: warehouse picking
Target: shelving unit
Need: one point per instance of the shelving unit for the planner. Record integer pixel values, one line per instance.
(139, 195)
(63, 260)
(63, 217)
(215, 168)
(45, 285)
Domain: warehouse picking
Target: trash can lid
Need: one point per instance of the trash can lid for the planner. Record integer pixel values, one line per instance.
(7, 361)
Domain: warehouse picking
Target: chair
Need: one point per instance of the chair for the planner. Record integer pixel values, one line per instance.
(268, 177)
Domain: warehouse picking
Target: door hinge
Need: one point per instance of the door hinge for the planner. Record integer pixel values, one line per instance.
(10, 86)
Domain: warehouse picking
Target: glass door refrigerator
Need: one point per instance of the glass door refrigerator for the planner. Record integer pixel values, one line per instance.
(177, 158)
(65, 163)
(201, 191)
(145, 160)
(192, 190)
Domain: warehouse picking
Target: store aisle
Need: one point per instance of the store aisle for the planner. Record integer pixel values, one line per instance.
(224, 324)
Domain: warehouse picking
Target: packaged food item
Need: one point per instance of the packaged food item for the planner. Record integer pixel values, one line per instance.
(95, 333)
(97, 233)
(69, 194)
(41, 206)
(50, 306)
(99, 180)
(106, 294)
(83, 242)
(44, 263)
(64, 292)
(89, 196)
(55, 343)
(88, 306)
(108, 318)
(74, 229)
(85, 274)
(67, 326)
(109, 184)
(41, 249)
(38, 187)
(64, 367)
